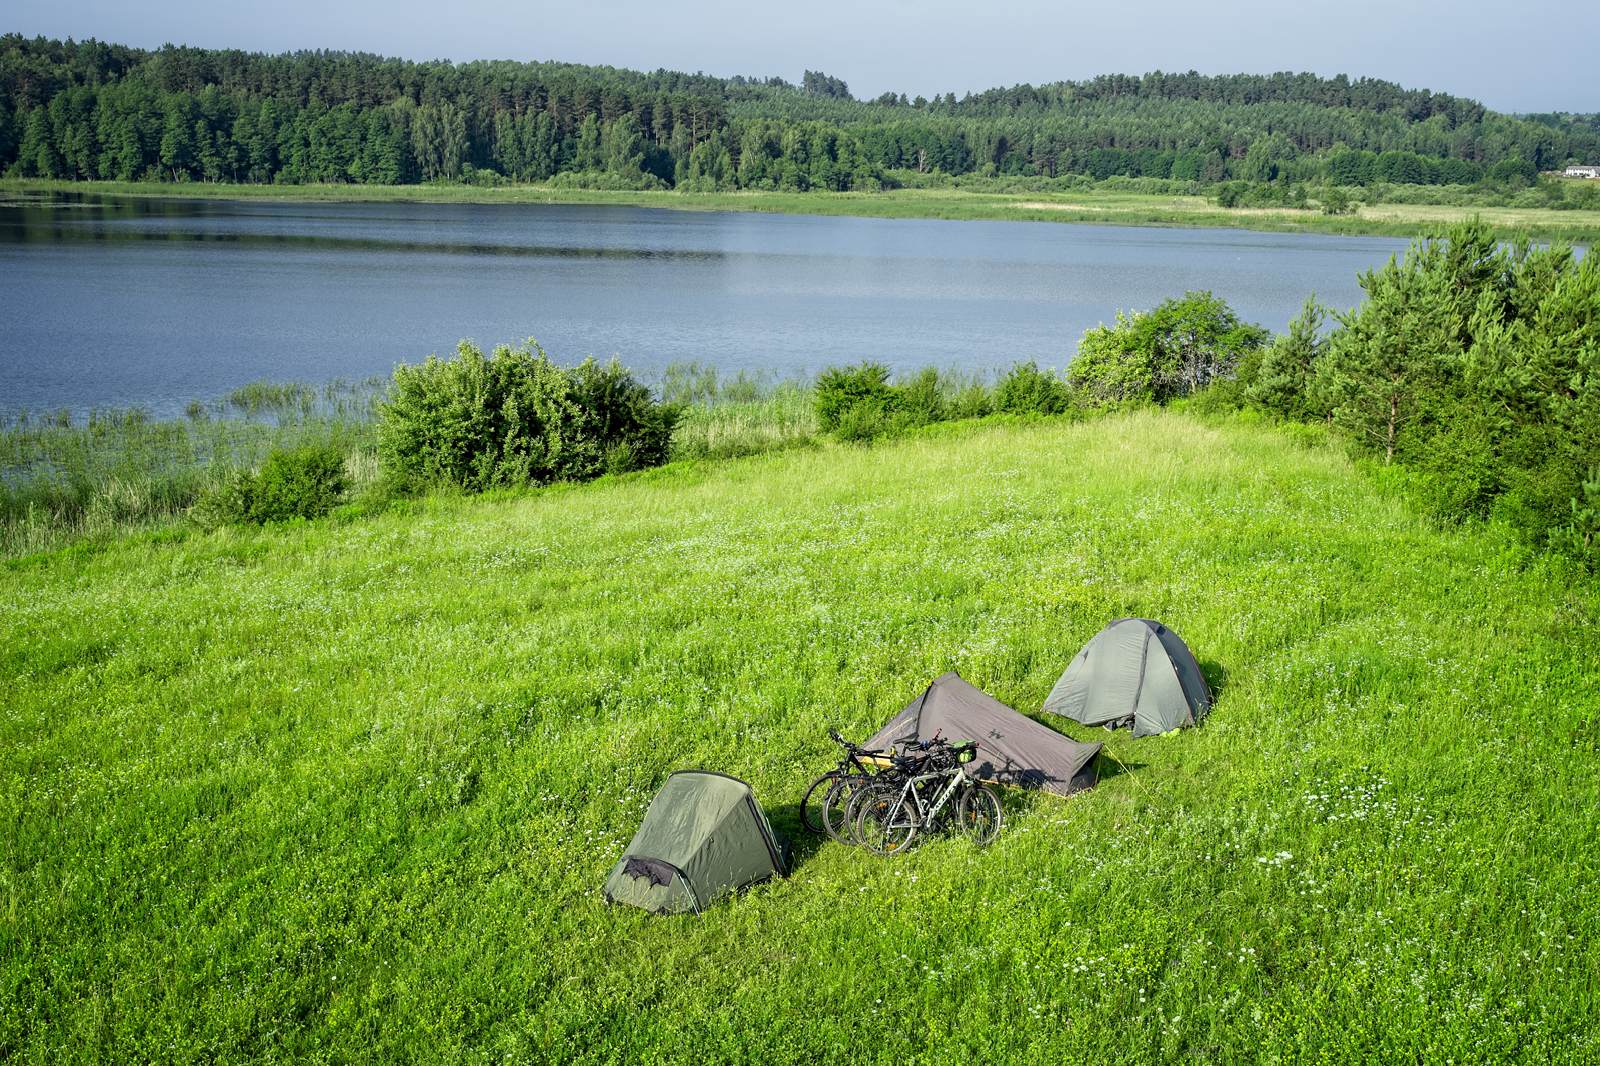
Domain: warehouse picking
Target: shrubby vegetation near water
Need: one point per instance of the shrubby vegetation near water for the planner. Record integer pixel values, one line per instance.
(514, 418)
(304, 482)
(63, 478)
(1474, 364)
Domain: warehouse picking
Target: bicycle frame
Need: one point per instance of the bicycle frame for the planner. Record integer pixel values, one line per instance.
(926, 813)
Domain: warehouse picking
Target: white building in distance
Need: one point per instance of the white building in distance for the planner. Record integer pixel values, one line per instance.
(1582, 172)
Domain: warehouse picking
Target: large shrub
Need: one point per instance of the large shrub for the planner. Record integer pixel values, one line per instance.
(304, 482)
(1176, 350)
(1027, 390)
(860, 393)
(920, 399)
(515, 418)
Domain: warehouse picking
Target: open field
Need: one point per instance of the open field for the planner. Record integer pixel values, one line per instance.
(1107, 207)
(347, 790)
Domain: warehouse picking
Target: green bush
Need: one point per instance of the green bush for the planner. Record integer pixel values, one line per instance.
(860, 403)
(921, 399)
(1278, 378)
(1176, 350)
(1581, 535)
(515, 418)
(304, 482)
(1027, 390)
(1335, 201)
(842, 390)
(971, 400)
(862, 424)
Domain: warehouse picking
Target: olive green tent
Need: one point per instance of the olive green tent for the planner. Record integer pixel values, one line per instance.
(702, 838)
(1133, 672)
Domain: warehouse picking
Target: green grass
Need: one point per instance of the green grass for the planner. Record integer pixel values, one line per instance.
(1103, 206)
(347, 790)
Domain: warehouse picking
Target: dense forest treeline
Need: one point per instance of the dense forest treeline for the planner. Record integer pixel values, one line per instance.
(90, 110)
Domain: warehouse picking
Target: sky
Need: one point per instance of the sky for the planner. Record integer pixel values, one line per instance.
(1537, 55)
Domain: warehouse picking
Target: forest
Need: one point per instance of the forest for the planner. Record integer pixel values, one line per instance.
(97, 111)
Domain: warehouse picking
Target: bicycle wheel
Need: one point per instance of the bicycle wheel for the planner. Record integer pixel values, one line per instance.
(852, 809)
(835, 805)
(811, 805)
(979, 813)
(884, 825)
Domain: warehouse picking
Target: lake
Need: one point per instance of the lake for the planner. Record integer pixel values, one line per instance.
(116, 302)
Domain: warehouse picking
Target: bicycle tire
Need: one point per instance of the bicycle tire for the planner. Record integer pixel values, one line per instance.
(809, 812)
(980, 814)
(852, 810)
(880, 826)
(835, 807)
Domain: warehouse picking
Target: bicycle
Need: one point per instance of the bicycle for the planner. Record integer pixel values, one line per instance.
(838, 786)
(886, 818)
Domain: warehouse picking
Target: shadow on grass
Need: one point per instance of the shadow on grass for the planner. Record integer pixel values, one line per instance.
(1216, 676)
(1109, 766)
(799, 844)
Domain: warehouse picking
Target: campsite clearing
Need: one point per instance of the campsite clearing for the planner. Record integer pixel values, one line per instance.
(349, 790)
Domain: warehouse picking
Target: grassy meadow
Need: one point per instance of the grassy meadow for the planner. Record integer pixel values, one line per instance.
(347, 790)
(1107, 206)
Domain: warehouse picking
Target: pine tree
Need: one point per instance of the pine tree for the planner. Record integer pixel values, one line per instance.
(1282, 378)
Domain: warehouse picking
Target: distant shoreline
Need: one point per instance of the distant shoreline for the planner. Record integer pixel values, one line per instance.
(1082, 206)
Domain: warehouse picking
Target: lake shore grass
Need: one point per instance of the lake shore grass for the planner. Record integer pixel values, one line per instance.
(348, 789)
(66, 480)
(1100, 206)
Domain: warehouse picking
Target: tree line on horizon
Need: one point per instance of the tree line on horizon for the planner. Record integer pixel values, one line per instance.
(92, 110)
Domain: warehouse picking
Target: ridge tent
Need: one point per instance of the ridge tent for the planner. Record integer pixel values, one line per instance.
(1013, 749)
(702, 838)
(1133, 672)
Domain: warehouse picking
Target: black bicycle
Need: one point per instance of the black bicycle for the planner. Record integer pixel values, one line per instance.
(823, 808)
(925, 789)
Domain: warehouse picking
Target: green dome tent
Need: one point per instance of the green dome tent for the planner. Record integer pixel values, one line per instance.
(702, 838)
(1133, 672)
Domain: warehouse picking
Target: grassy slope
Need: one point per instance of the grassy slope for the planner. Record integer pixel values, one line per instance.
(349, 790)
(1093, 205)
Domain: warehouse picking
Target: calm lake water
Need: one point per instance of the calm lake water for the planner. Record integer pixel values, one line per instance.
(113, 303)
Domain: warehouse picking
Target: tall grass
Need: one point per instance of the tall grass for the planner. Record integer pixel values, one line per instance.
(348, 791)
(62, 478)
(721, 416)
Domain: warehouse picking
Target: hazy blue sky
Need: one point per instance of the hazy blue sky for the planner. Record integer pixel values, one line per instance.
(1536, 55)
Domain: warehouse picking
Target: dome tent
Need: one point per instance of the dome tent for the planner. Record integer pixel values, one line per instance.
(1133, 672)
(702, 838)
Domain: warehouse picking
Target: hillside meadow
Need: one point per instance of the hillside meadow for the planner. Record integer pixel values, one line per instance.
(348, 789)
